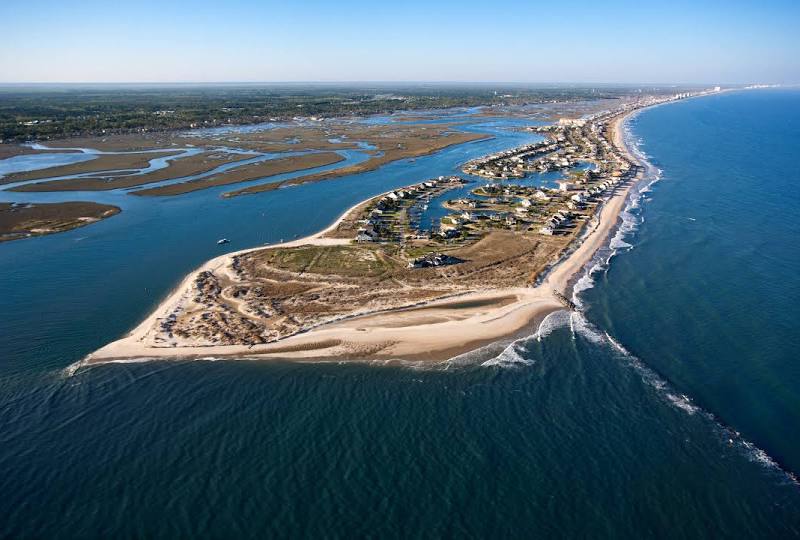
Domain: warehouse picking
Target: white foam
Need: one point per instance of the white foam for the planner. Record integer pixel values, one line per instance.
(71, 369)
(617, 244)
(684, 403)
(510, 357)
(631, 220)
(581, 326)
(553, 321)
(617, 345)
(512, 354)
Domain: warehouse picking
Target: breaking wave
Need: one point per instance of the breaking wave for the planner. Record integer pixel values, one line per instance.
(513, 354)
(509, 353)
(665, 391)
(630, 221)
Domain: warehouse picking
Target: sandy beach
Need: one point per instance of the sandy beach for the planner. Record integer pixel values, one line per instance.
(431, 331)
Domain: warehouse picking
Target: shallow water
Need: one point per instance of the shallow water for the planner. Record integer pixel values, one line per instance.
(617, 424)
(34, 162)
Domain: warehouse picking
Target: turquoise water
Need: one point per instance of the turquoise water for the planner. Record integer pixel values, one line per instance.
(621, 423)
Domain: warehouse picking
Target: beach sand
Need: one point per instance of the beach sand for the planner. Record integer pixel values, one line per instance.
(433, 331)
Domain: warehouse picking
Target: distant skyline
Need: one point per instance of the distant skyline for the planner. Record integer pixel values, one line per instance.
(574, 41)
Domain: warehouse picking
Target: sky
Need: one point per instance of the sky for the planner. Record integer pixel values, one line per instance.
(600, 41)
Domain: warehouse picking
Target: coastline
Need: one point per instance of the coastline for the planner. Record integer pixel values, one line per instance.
(431, 331)
(19, 221)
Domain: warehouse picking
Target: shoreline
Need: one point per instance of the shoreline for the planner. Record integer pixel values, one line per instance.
(431, 331)
(20, 221)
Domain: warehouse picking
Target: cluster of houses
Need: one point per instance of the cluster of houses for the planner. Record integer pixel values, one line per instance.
(577, 201)
(600, 185)
(510, 190)
(507, 206)
(378, 226)
(568, 142)
(558, 220)
(517, 162)
(572, 122)
(454, 225)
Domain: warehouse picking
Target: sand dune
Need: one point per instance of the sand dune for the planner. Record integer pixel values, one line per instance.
(433, 331)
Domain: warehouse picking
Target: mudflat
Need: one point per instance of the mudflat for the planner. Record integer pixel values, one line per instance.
(247, 172)
(390, 149)
(102, 163)
(14, 150)
(24, 220)
(178, 168)
(385, 143)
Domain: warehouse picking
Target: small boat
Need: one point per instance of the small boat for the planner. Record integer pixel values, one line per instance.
(223, 241)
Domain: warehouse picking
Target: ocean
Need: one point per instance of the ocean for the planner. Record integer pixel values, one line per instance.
(668, 407)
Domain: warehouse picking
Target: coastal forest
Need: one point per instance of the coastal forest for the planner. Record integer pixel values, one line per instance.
(42, 112)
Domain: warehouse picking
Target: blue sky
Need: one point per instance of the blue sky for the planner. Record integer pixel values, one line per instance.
(679, 41)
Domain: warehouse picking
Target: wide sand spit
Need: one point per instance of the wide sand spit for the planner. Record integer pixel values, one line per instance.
(429, 332)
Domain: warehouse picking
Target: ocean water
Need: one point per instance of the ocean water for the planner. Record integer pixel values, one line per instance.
(668, 408)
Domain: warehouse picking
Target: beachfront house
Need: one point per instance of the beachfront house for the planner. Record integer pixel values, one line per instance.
(362, 237)
(564, 185)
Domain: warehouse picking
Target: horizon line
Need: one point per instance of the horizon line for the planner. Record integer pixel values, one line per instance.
(384, 82)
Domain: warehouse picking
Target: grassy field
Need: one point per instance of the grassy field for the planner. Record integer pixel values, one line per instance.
(349, 261)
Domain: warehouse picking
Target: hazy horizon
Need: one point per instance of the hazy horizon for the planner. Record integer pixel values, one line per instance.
(387, 84)
(250, 42)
